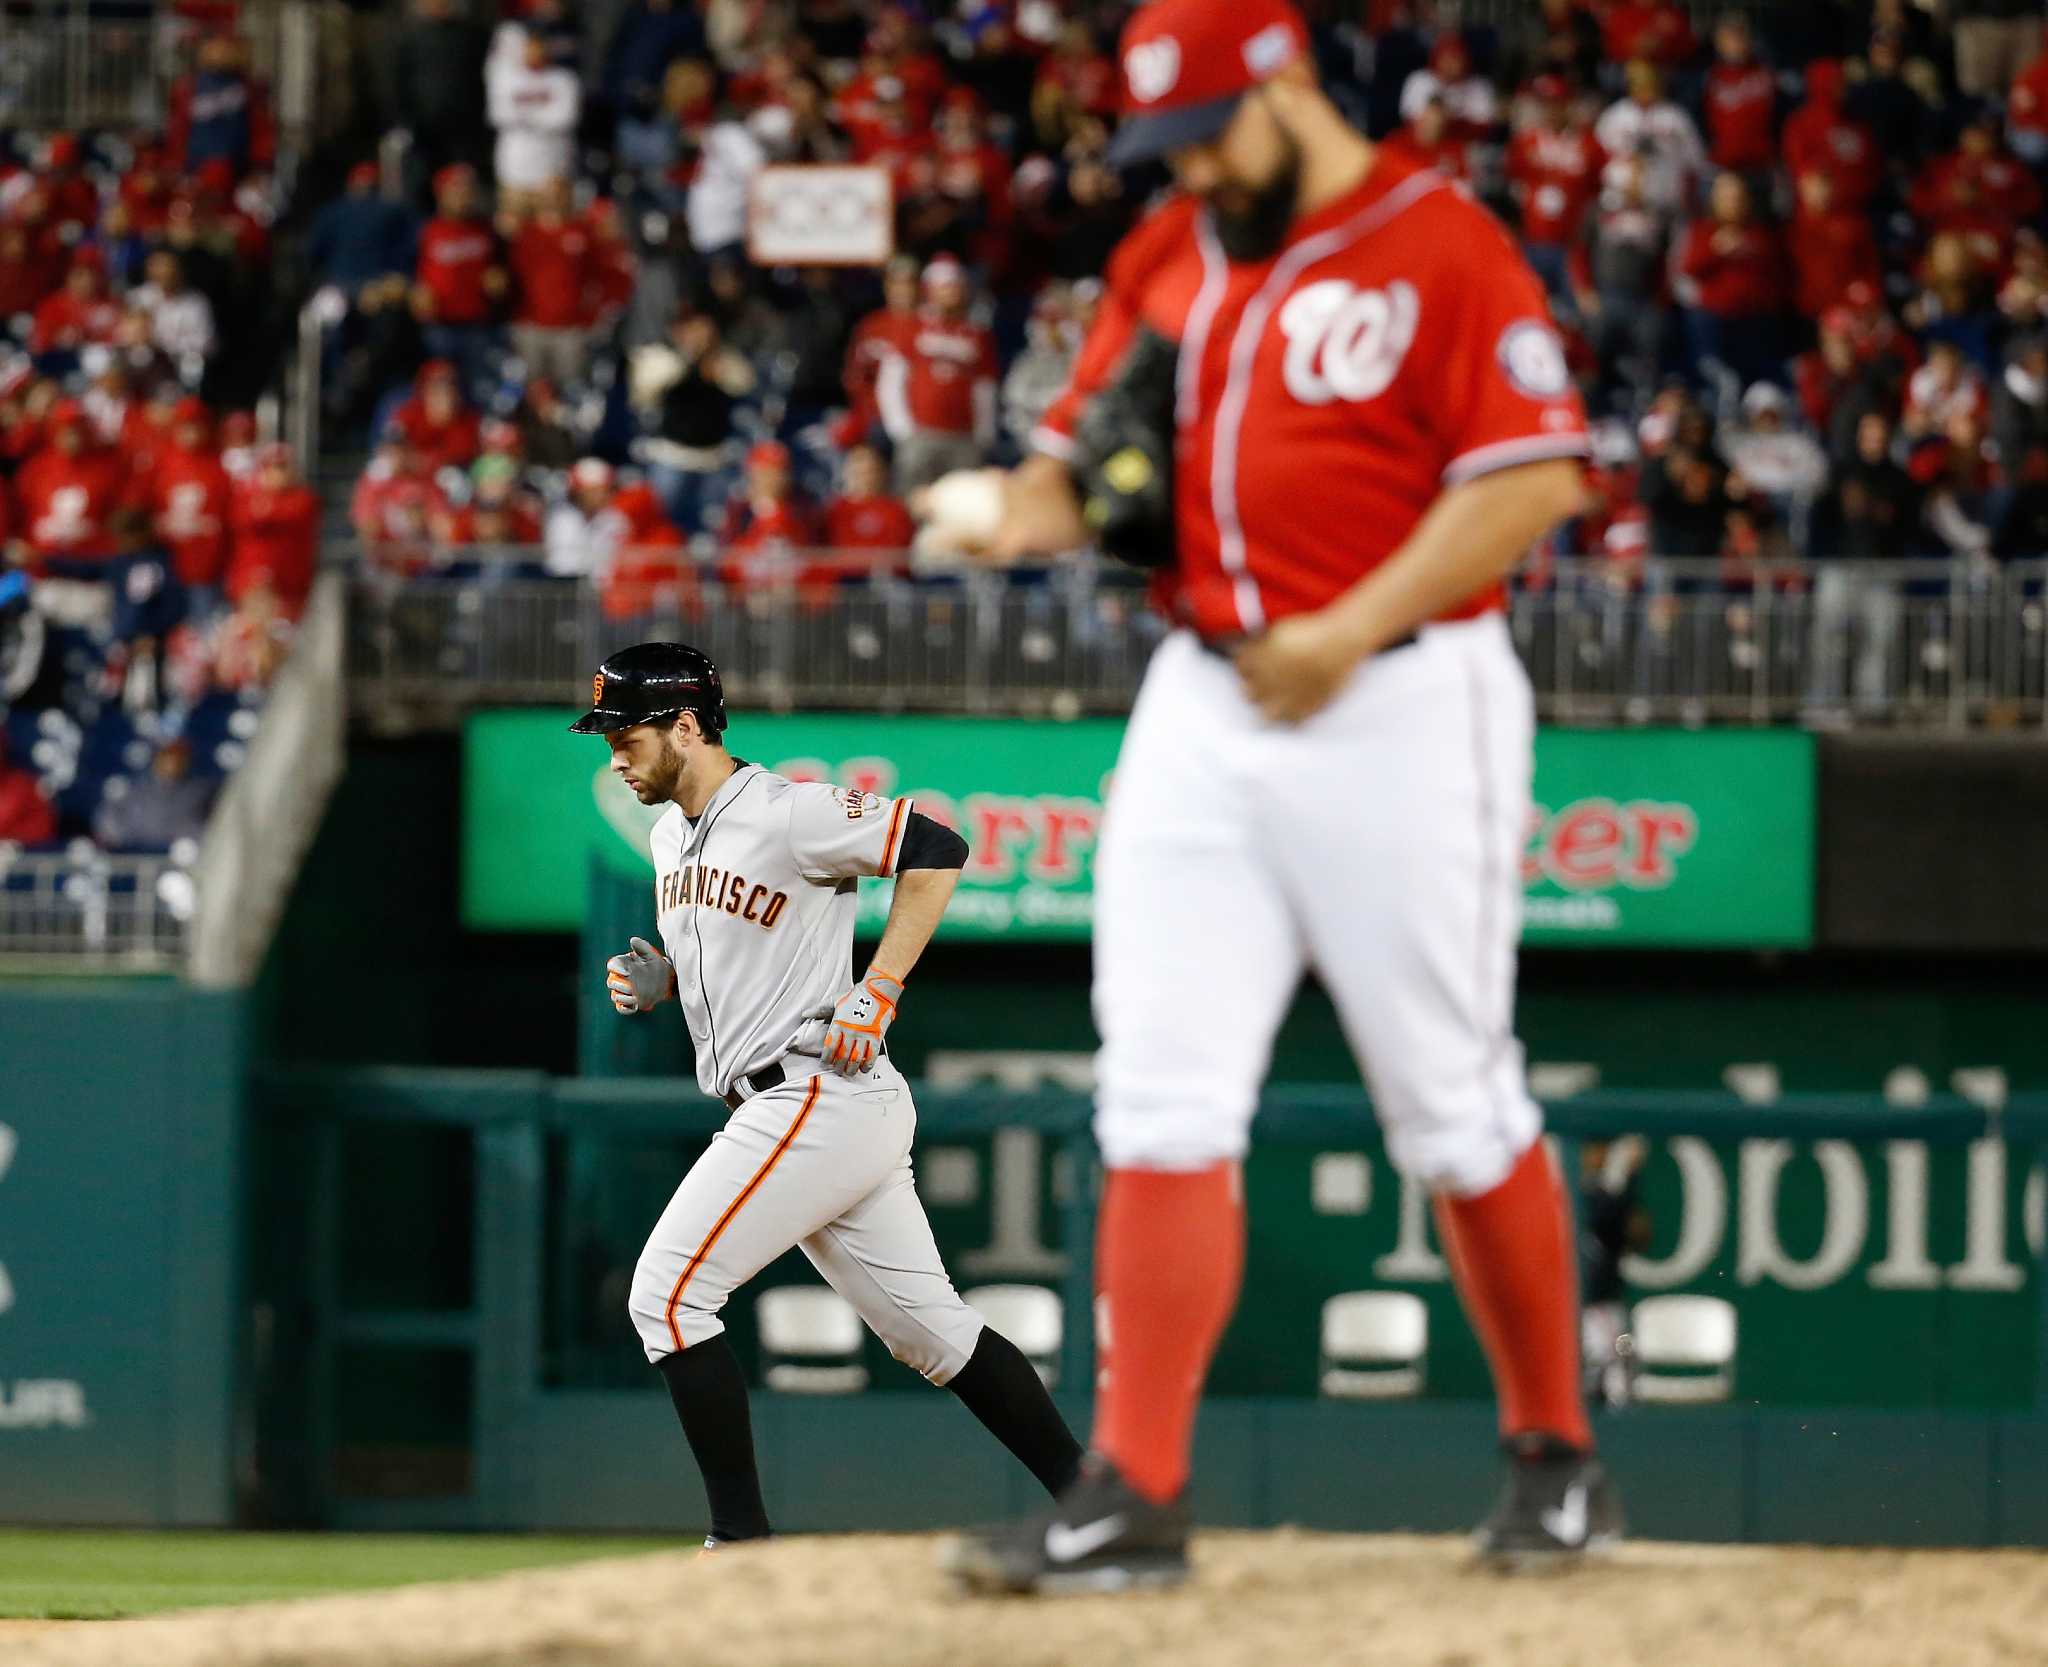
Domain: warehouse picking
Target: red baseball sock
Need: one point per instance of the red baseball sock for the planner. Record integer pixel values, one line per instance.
(1510, 1251)
(1168, 1258)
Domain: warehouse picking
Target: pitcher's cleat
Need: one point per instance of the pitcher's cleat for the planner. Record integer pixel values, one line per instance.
(1102, 1535)
(1556, 1508)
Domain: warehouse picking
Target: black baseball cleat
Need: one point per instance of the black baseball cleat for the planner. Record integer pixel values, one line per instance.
(1556, 1508)
(1101, 1535)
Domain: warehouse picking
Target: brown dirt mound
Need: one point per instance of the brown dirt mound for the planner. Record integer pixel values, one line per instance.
(1260, 1600)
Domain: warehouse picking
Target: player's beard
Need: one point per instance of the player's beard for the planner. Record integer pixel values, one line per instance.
(659, 785)
(1252, 228)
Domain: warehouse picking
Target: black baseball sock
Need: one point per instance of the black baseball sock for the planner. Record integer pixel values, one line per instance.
(999, 1386)
(710, 1395)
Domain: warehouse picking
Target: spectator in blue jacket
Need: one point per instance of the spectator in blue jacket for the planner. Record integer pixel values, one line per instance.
(652, 34)
(361, 236)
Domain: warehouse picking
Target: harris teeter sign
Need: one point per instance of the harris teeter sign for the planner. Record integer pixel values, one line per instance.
(1640, 838)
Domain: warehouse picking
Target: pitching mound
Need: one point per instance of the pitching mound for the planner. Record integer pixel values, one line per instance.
(1258, 1600)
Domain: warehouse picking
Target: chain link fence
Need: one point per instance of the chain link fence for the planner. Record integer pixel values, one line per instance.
(1938, 644)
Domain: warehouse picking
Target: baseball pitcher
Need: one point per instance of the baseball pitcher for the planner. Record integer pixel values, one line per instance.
(1323, 400)
(754, 899)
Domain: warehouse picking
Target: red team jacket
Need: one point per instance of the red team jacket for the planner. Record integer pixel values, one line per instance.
(1398, 344)
(454, 256)
(190, 495)
(277, 538)
(1555, 177)
(65, 505)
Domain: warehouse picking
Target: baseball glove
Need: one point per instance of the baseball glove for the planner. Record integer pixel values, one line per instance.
(1123, 455)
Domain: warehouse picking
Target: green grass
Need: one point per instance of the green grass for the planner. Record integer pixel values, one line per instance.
(72, 1574)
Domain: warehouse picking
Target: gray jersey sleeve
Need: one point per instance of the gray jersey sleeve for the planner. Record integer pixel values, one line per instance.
(837, 834)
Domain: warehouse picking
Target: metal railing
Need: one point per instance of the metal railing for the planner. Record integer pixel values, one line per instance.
(71, 65)
(1940, 644)
(91, 912)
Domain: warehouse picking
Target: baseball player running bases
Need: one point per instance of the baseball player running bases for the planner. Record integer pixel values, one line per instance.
(754, 882)
(1368, 419)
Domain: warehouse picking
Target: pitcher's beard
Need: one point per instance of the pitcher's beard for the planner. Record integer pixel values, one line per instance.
(1254, 230)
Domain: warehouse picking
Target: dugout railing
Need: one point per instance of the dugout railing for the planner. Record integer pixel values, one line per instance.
(543, 1452)
(1943, 644)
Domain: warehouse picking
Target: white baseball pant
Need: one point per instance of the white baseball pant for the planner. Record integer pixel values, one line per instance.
(1379, 842)
(822, 1162)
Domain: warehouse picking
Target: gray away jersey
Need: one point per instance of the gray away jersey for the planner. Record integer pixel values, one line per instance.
(756, 906)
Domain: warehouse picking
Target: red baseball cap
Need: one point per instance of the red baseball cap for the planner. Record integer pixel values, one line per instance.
(768, 454)
(1187, 63)
(363, 173)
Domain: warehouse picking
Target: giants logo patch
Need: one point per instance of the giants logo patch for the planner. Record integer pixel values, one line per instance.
(597, 690)
(1344, 342)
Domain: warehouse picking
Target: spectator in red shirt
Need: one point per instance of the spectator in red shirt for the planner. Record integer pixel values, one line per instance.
(1469, 98)
(441, 430)
(1947, 386)
(460, 280)
(1657, 30)
(394, 505)
(1431, 140)
(275, 534)
(1977, 188)
(966, 206)
(26, 815)
(2026, 113)
(78, 314)
(552, 258)
(1831, 248)
(501, 517)
(25, 274)
(938, 396)
(71, 201)
(69, 494)
(641, 568)
(1741, 102)
(1076, 81)
(1734, 271)
(190, 502)
(1820, 139)
(884, 332)
(766, 518)
(864, 517)
(1553, 169)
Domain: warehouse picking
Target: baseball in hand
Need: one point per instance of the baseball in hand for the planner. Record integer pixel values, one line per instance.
(963, 509)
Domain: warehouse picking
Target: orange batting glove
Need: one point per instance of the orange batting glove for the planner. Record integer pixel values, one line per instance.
(640, 979)
(859, 1022)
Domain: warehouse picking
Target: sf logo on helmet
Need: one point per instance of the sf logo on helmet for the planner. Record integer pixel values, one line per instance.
(597, 690)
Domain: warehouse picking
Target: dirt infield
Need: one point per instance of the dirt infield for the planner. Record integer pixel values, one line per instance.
(1260, 1600)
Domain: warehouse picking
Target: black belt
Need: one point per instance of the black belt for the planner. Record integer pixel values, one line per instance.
(745, 1088)
(1225, 648)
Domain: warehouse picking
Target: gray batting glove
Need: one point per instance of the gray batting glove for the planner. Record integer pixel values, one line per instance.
(640, 979)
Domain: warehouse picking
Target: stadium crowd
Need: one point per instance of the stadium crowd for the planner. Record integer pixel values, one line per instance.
(156, 555)
(1796, 254)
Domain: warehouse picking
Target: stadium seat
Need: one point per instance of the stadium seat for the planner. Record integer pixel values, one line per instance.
(1375, 1345)
(1684, 1349)
(810, 1341)
(1030, 1316)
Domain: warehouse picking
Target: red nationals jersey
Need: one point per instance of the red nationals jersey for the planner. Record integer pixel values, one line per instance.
(442, 445)
(1397, 345)
(868, 524)
(552, 274)
(189, 497)
(63, 504)
(1741, 101)
(1555, 177)
(875, 338)
(454, 256)
(931, 386)
(276, 538)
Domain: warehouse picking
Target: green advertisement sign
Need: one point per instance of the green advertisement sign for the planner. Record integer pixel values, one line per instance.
(1645, 837)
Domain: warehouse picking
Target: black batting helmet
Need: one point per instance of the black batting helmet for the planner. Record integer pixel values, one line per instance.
(651, 681)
